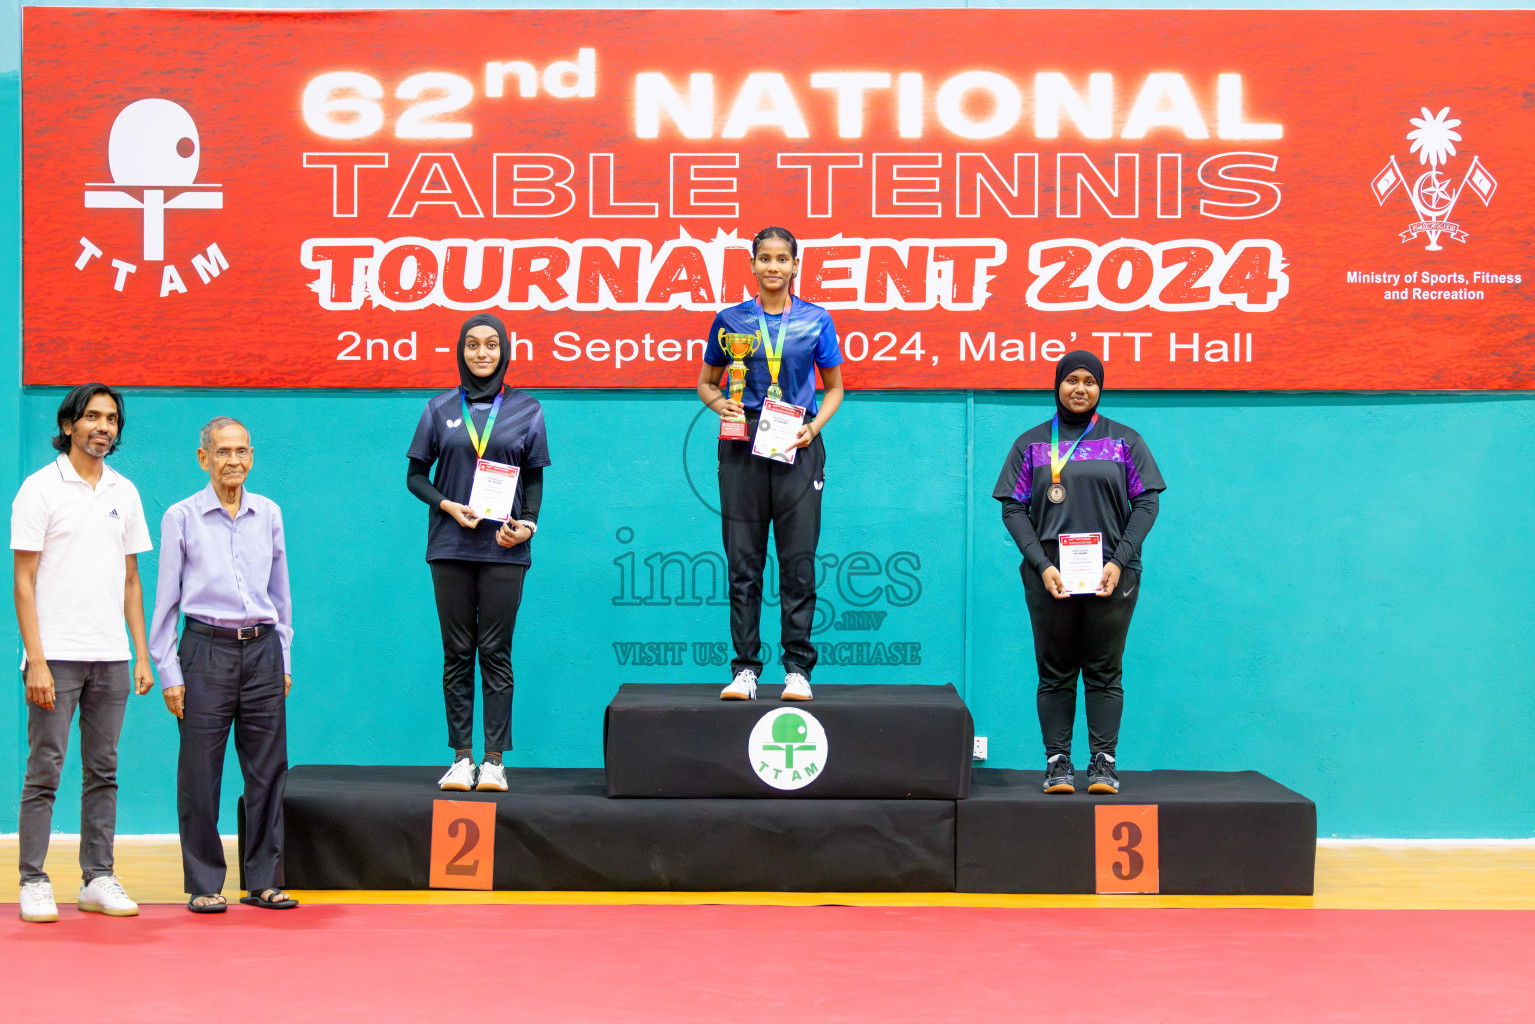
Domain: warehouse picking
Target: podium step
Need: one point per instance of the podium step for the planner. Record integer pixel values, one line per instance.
(851, 742)
(358, 827)
(1218, 833)
(1173, 832)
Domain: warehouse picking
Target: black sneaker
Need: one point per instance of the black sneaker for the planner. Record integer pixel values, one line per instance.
(1101, 777)
(1059, 777)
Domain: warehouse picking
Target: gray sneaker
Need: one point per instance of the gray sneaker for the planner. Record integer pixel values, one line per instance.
(1101, 777)
(1059, 777)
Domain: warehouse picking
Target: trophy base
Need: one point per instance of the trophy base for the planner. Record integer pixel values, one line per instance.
(734, 431)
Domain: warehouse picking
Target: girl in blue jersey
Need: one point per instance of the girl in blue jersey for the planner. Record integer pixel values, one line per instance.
(795, 338)
(478, 566)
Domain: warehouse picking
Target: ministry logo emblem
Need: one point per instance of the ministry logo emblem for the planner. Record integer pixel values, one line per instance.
(787, 748)
(1434, 193)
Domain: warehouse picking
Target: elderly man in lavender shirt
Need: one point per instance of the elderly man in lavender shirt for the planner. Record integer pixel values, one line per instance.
(223, 564)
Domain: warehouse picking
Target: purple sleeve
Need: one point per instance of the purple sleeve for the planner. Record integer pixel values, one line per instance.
(279, 591)
(162, 626)
(1141, 472)
(1016, 481)
(1023, 490)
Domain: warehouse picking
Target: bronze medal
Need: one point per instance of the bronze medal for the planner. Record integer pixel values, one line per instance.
(1057, 491)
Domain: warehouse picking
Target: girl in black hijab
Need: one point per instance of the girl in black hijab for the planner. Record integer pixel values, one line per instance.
(478, 567)
(1079, 473)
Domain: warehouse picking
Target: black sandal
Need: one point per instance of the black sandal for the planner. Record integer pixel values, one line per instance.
(207, 908)
(263, 899)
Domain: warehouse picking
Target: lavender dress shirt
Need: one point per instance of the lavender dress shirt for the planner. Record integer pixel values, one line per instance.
(226, 572)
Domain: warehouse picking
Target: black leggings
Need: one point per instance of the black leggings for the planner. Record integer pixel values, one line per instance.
(1085, 634)
(477, 609)
(756, 493)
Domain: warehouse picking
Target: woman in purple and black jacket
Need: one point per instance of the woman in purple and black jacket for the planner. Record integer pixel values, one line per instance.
(1080, 473)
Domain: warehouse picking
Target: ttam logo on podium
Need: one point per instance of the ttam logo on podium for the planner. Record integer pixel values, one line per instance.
(787, 748)
(154, 153)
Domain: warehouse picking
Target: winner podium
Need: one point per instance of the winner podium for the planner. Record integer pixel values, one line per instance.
(880, 742)
(864, 789)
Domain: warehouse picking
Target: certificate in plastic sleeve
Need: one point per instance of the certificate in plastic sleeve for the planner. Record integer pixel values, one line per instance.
(777, 431)
(494, 490)
(1081, 562)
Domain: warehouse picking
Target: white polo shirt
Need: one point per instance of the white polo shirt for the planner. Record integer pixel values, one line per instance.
(85, 535)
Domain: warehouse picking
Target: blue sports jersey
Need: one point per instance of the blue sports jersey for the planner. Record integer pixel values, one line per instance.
(517, 439)
(810, 341)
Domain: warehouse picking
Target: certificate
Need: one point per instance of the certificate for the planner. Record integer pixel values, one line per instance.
(494, 490)
(777, 431)
(1081, 562)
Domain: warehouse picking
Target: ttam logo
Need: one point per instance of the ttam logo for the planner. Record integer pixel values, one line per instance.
(154, 153)
(787, 748)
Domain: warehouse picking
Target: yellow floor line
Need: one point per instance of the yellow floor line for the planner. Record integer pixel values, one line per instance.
(413, 897)
(1388, 876)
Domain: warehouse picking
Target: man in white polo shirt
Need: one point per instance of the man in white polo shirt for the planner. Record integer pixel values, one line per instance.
(76, 530)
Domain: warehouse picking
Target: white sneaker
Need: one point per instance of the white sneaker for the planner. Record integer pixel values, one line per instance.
(105, 895)
(37, 902)
(492, 778)
(796, 687)
(742, 687)
(459, 777)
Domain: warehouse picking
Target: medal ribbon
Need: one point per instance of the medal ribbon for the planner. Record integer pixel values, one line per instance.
(480, 442)
(1056, 462)
(774, 353)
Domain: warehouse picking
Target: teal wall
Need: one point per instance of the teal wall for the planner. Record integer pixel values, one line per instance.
(1333, 595)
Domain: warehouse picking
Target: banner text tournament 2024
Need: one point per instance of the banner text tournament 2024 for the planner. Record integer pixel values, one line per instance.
(1212, 199)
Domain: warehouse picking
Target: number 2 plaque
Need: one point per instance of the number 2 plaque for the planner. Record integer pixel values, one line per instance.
(463, 844)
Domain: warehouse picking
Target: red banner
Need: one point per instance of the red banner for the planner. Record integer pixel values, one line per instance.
(1209, 199)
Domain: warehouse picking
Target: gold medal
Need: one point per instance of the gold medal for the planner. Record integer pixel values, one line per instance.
(774, 352)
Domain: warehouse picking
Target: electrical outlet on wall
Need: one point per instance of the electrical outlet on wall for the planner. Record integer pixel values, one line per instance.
(980, 749)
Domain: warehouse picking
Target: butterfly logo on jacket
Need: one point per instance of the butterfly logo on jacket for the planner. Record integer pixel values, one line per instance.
(453, 424)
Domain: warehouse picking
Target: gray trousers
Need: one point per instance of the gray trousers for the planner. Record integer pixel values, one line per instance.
(232, 683)
(100, 690)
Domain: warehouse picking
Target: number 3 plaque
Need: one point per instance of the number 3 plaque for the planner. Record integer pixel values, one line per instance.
(1127, 848)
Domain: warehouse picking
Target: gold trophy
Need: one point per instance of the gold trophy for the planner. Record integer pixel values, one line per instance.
(739, 346)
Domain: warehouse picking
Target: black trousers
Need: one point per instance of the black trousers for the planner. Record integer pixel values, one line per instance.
(756, 493)
(1080, 634)
(238, 683)
(477, 609)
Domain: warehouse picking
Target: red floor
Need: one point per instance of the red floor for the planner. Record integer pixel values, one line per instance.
(469, 965)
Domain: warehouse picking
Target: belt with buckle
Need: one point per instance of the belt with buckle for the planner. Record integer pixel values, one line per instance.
(230, 632)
